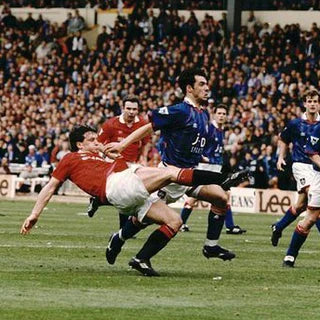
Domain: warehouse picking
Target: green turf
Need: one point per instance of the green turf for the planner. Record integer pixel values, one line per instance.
(59, 271)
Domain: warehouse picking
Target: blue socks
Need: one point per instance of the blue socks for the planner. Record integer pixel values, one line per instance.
(297, 240)
(318, 224)
(288, 218)
(185, 213)
(229, 218)
(130, 229)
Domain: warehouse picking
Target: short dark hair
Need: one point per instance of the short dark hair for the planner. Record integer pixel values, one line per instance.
(77, 135)
(221, 106)
(187, 77)
(131, 98)
(310, 93)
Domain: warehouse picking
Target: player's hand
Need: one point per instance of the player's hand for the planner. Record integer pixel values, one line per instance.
(112, 150)
(280, 164)
(205, 159)
(28, 224)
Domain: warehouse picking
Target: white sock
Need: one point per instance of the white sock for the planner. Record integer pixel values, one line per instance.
(211, 243)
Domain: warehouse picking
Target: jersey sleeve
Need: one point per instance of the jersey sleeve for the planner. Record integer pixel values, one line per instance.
(286, 134)
(62, 170)
(105, 133)
(169, 117)
(313, 142)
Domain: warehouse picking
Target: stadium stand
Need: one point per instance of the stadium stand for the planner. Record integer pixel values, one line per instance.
(175, 4)
(51, 80)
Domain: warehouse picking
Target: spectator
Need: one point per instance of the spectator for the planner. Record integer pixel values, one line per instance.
(102, 39)
(31, 156)
(25, 178)
(4, 169)
(76, 23)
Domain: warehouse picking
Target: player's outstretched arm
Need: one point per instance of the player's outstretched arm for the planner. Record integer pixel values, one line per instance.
(136, 135)
(282, 154)
(43, 198)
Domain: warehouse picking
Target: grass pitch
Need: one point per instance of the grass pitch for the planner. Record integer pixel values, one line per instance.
(59, 271)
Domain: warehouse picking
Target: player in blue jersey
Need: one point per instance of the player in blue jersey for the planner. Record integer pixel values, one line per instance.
(303, 227)
(213, 161)
(184, 133)
(296, 133)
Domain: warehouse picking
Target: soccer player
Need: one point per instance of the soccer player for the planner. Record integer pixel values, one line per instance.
(115, 130)
(303, 227)
(296, 132)
(127, 189)
(213, 161)
(184, 133)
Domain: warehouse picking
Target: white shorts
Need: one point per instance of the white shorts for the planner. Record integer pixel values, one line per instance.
(303, 174)
(210, 167)
(314, 191)
(126, 192)
(173, 192)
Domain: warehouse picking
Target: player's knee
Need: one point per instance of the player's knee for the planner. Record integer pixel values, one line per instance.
(175, 223)
(303, 227)
(310, 219)
(221, 201)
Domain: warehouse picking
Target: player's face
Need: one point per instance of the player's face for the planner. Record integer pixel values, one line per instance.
(90, 142)
(312, 104)
(220, 116)
(200, 90)
(130, 111)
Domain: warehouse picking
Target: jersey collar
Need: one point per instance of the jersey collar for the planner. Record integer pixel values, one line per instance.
(304, 117)
(214, 122)
(188, 101)
(121, 119)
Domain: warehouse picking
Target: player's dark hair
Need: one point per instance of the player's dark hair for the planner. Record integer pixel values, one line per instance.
(131, 98)
(77, 135)
(310, 93)
(187, 77)
(221, 106)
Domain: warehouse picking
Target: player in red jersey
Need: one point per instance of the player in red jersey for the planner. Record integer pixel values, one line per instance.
(115, 130)
(127, 189)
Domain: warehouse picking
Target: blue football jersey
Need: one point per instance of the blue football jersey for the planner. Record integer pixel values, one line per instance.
(297, 132)
(184, 133)
(214, 148)
(313, 143)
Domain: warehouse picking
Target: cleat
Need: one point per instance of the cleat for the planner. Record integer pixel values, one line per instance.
(288, 262)
(144, 267)
(114, 247)
(235, 230)
(217, 252)
(235, 179)
(93, 206)
(276, 235)
(184, 228)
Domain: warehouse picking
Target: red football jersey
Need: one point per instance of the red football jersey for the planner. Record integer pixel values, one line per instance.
(89, 171)
(115, 130)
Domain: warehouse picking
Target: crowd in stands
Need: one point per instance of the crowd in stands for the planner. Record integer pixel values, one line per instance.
(174, 4)
(46, 86)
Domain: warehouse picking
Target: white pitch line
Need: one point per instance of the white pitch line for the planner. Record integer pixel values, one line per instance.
(50, 246)
(132, 247)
